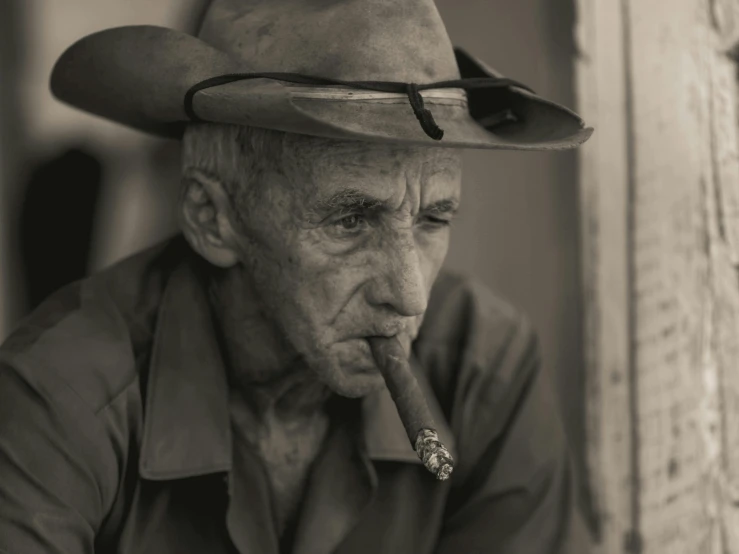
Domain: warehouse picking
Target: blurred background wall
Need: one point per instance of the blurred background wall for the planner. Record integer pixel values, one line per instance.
(69, 180)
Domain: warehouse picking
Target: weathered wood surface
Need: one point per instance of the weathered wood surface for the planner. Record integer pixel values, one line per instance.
(604, 202)
(660, 191)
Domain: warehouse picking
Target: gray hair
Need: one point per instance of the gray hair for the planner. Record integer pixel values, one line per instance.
(236, 155)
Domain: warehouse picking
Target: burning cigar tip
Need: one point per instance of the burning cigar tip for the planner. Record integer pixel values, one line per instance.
(434, 455)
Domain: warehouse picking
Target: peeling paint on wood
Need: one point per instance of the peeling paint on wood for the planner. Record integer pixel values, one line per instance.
(679, 98)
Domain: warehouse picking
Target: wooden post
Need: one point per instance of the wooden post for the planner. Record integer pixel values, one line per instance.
(11, 143)
(660, 201)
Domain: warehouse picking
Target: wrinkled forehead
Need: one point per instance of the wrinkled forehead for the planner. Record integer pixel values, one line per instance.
(329, 163)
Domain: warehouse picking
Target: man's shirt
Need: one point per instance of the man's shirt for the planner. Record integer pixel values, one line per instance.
(115, 434)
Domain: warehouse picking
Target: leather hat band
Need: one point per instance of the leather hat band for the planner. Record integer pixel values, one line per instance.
(412, 90)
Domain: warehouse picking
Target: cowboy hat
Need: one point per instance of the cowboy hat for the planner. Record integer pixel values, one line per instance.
(373, 70)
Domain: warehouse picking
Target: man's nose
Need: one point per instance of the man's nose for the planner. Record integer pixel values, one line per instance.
(400, 283)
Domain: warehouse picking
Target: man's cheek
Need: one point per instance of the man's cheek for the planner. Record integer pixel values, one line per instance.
(337, 282)
(435, 249)
(317, 298)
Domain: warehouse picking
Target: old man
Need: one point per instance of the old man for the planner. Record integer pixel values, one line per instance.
(221, 392)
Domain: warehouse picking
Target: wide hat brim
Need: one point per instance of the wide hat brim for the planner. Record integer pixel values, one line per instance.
(139, 76)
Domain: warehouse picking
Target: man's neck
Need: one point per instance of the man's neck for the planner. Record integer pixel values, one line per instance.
(264, 370)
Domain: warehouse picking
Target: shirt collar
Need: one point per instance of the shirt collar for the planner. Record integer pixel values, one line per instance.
(187, 423)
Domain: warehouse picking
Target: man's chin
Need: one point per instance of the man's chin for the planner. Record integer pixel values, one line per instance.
(351, 371)
(359, 385)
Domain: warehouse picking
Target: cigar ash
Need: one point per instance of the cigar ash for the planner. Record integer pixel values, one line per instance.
(434, 455)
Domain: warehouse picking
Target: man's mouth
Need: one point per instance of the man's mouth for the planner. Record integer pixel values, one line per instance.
(365, 360)
(387, 330)
(367, 364)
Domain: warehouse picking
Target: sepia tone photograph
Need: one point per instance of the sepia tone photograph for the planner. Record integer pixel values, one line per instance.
(369, 277)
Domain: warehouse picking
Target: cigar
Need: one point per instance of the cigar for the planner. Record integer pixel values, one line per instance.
(412, 408)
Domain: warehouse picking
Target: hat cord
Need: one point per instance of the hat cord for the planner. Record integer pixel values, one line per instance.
(412, 90)
(423, 114)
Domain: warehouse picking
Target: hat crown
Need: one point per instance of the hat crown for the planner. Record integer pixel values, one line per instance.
(378, 40)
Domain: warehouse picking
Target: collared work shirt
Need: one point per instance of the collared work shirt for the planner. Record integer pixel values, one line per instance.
(115, 434)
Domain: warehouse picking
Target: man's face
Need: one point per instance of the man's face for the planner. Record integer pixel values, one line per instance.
(346, 244)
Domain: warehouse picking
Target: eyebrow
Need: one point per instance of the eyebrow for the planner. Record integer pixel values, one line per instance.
(349, 200)
(448, 206)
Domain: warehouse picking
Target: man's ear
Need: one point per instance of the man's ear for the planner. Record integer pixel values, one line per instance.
(204, 214)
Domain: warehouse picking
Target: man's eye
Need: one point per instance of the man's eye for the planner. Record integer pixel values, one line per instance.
(436, 221)
(351, 222)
